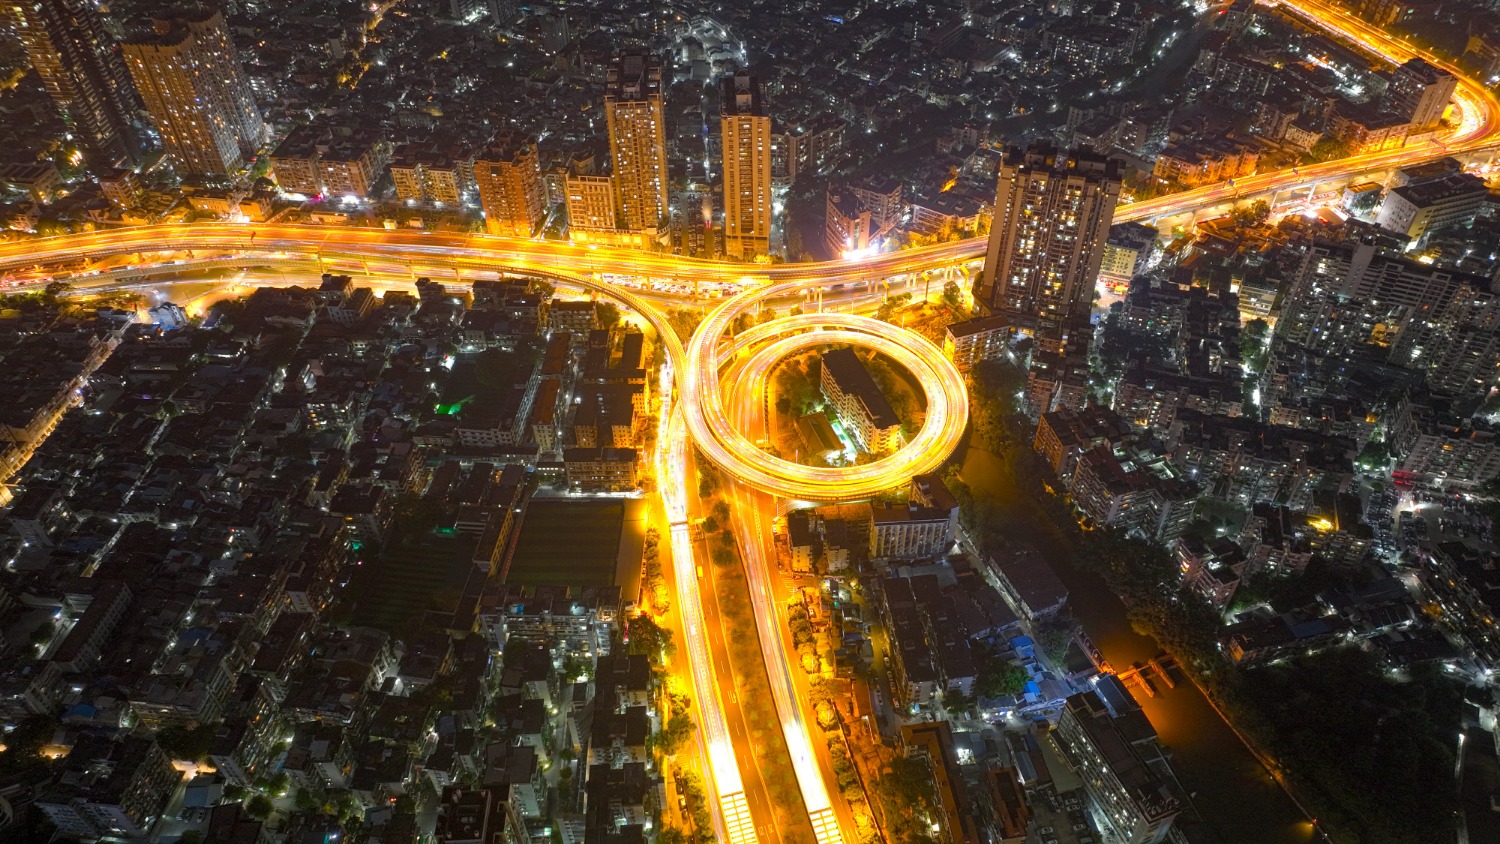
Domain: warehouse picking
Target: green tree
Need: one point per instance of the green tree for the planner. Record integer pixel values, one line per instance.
(674, 734)
(795, 385)
(892, 304)
(42, 633)
(1254, 214)
(56, 290)
(907, 797)
(953, 295)
(1253, 344)
(259, 807)
(998, 676)
(575, 666)
(708, 477)
(684, 321)
(1328, 149)
(957, 702)
(996, 402)
(649, 638)
(185, 743)
(723, 555)
(1375, 455)
(608, 314)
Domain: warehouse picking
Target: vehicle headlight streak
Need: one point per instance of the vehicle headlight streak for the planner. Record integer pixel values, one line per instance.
(728, 447)
(696, 412)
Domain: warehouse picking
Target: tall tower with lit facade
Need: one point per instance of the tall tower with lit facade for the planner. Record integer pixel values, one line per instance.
(508, 175)
(189, 77)
(1421, 92)
(81, 68)
(637, 140)
(1052, 217)
(745, 132)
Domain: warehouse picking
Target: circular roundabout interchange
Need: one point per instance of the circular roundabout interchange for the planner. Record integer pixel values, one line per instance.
(743, 362)
(715, 418)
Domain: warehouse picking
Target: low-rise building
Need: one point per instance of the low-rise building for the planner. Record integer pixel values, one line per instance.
(1435, 448)
(39, 179)
(601, 469)
(862, 408)
(803, 541)
(315, 160)
(469, 815)
(1028, 584)
(847, 225)
(973, 340)
(121, 187)
(1366, 129)
(1127, 251)
(1416, 209)
(910, 532)
(1106, 739)
(914, 675)
(1063, 436)
(294, 162)
(934, 741)
(591, 209)
(1464, 582)
(1213, 569)
(111, 788)
(349, 165)
(948, 212)
(1134, 489)
(581, 620)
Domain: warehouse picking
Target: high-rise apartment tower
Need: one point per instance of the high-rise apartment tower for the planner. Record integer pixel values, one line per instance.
(508, 175)
(1421, 92)
(1052, 217)
(189, 77)
(745, 134)
(637, 140)
(81, 67)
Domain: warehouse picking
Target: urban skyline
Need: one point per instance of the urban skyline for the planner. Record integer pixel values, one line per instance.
(1060, 423)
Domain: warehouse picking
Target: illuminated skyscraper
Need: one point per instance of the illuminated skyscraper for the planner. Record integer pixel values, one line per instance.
(637, 140)
(509, 177)
(1052, 217)
(189, 77)
(745, 132)
(81, 68)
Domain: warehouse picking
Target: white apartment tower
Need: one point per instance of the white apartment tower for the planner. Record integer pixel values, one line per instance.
(1421, 92)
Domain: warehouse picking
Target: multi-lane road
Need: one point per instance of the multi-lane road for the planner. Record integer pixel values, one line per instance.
(1475, 107)
(708, 415)
(109, 259)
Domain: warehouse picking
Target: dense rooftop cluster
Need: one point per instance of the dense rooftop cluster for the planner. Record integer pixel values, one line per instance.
(184, 552)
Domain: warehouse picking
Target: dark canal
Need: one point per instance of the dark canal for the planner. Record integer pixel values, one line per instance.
(1231, 791)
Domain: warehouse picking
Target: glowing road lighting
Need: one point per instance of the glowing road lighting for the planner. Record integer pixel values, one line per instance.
(703, 417)
(708, 422)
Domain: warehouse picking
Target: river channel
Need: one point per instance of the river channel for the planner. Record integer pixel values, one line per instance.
(1232, 792)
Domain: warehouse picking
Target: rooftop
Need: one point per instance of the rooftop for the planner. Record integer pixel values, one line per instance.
(853, 377)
